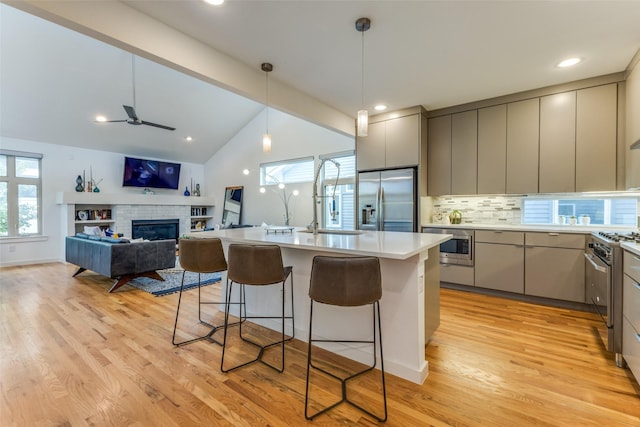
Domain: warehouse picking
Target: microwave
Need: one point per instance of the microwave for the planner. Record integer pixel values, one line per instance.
(459, 249)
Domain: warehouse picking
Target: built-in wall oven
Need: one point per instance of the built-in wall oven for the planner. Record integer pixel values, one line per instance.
(459, 249)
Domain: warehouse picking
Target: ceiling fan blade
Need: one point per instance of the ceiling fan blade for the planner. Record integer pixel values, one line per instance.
(131, 113)
(157, 125)
(111, 121)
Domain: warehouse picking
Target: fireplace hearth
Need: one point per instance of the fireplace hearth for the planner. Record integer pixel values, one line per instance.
(155, 229)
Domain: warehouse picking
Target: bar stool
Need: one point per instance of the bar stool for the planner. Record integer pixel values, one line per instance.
(257, 265)
(346, 282)
(200, 256)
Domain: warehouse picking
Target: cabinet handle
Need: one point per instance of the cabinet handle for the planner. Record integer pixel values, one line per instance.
(637, 337)
(637, 285)
(554, 234)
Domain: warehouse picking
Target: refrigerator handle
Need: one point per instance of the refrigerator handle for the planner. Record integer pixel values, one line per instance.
(381, 210)
(377, 208)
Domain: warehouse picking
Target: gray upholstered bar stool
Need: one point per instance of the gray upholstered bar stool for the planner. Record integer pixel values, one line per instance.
(200, 256)
(257, 265)
(346, 282)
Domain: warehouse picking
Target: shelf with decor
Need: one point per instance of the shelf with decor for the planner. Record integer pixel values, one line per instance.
(93, 215)
(200, 217)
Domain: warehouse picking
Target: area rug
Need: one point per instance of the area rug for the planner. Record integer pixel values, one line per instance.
(172, 280)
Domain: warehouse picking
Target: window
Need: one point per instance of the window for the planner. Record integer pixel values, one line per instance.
(287, 171)
(338, 201)
(609, 211)
(20, 194)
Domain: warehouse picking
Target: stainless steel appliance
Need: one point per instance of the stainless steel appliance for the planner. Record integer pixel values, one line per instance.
(387, 200)
(604, 285)
(458, 250)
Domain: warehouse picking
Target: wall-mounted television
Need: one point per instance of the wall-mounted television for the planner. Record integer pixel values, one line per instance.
(150, 173)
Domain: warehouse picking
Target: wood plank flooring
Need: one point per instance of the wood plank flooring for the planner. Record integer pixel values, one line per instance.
(73, 355)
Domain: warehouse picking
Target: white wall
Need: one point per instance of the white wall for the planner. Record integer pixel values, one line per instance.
(292, 138)
(60, 167)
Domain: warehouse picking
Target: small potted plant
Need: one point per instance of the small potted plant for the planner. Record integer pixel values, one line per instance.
(572, 220)
(585, 219)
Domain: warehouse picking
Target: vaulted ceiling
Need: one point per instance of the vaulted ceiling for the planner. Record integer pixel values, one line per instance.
(54, 81)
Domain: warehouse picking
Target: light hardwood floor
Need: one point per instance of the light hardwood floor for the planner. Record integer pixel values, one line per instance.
(74, 355)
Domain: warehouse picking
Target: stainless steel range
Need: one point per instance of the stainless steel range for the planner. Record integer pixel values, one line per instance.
(604, 284)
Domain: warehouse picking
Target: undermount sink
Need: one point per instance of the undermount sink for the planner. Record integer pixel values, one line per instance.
(329, 231)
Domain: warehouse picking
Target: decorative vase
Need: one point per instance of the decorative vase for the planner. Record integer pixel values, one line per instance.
(79, 187)
(96, 189)
(186, 191)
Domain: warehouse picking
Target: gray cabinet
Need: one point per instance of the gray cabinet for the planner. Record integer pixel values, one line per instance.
(453, 154)
(393, 142)
(439, 156)
(596, 138)
(464, 152)
(555, 266)
(370, 153)
(631, 312)
(499, 260)
(523, 125)
(558, 143)
(492, 150)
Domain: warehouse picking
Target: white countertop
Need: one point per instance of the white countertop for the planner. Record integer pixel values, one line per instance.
(632, 247)
(383, 244)
(581, 229)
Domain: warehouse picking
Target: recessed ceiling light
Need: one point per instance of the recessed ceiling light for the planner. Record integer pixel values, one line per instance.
(101, 119)
(189, 138)
(569, 62)
(214, 2)
(380, 107)
(246, 171)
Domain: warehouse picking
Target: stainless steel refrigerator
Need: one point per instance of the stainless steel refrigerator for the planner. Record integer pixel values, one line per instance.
(387, 200)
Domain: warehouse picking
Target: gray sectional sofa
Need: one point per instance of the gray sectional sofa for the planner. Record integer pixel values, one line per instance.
(118, 258)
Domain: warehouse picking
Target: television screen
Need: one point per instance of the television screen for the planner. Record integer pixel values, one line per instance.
(150, 173)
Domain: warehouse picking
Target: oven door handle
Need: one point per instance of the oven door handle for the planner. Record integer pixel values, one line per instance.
(596, 266)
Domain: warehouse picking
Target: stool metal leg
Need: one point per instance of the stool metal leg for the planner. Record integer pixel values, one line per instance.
(343, 381)
(243, 317)
(214, 328)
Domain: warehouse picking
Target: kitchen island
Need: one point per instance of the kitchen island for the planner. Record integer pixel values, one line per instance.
(410, 304)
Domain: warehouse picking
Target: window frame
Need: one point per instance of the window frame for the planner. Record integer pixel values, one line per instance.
(13, 183)
(290, 162)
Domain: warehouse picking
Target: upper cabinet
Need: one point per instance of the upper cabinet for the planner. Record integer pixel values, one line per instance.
(453, 154)
(632, 128)
(596, 138)
(394, 140)
(439, 156)
(523, 127)
(464, 152)
(558, 143)
(492, 150)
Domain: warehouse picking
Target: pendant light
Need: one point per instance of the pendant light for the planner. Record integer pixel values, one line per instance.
(266, 138)
(362, 25)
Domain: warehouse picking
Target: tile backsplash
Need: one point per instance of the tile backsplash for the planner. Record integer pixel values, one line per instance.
(491, 209)
(476, 209)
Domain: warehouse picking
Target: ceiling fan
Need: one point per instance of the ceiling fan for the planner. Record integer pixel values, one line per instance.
(131, 111)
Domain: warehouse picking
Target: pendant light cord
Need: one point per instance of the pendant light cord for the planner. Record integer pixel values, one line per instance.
(362, 76)
(267, 74)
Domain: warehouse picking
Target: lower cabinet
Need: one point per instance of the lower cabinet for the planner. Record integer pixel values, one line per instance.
(499, 260)
(460, 274)
(631, 313)
(554, 266)
(555, 273)
(500, 267)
